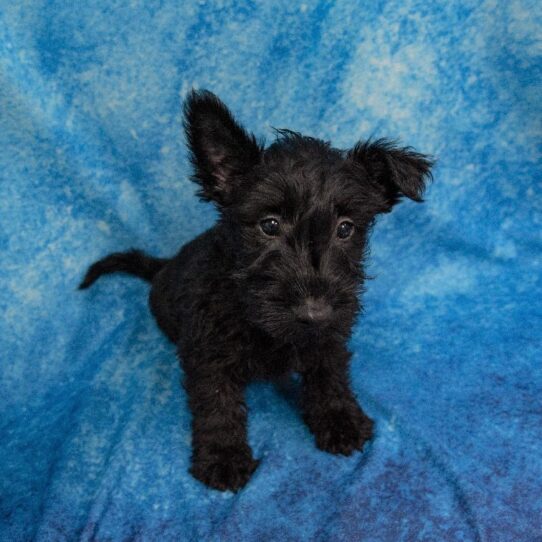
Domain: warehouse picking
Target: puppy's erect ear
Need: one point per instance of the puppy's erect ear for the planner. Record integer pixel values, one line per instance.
(394, 171)
(221, 150)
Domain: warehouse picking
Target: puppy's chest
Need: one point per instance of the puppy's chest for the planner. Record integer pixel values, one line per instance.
(270, 361)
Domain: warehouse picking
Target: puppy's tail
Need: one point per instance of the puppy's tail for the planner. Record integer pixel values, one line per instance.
(133, 262)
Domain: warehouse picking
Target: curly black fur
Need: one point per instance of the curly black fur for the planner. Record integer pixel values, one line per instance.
(242, 304)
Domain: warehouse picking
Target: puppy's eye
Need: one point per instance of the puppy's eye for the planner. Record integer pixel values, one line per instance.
(345, 229)
(270, 226)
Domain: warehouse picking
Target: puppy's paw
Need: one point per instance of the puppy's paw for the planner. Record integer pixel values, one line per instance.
(342, 431)
(225, 469)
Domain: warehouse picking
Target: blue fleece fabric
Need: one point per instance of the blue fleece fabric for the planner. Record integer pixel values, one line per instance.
(94, 426)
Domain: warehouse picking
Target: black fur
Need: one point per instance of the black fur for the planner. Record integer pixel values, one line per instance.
(241, 304)
(133, 262)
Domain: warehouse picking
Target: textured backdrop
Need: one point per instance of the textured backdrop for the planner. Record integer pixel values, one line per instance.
(94, 427)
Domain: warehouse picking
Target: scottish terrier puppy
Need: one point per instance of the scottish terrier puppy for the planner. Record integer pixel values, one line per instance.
(273, 287)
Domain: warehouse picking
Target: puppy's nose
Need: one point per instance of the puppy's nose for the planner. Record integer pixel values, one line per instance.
(314, 310)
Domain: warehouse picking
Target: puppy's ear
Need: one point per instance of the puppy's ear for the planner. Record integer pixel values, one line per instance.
(221, 150)
(393, 171)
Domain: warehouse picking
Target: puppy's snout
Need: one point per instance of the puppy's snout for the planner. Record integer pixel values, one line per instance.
(315, 310)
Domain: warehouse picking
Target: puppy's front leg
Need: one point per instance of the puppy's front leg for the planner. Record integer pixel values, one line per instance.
(329, 406)
(221, 458)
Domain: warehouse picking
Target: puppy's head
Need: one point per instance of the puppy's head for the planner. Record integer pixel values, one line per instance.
(299, 213)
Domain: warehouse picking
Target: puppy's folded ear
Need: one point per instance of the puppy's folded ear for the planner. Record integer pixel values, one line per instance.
(393, 171)
(221, 150)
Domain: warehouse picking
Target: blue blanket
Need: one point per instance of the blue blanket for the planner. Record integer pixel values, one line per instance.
(94, 426)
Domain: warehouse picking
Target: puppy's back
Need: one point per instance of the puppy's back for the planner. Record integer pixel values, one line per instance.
(184, 281)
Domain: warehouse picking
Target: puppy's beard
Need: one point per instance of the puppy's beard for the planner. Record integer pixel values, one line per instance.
(280, 322)
(272, 305)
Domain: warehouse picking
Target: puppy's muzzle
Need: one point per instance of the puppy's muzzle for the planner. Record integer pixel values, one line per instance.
(313, 310)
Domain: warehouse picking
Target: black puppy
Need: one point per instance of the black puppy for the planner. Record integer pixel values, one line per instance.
(273, 287)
